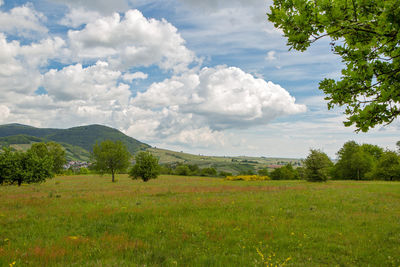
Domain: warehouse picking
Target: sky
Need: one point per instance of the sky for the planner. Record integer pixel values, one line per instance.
(209, 77)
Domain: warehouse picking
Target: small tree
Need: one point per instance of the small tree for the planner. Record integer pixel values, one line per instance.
(388, 167)
(57, 152)
(146, 167)
(317, 166)
(284, 173)
(53, 150)
(24, 167)
(263, 172)
(110, 157)
(182, 170)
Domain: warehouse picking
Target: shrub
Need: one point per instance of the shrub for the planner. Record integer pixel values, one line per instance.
(247, 178)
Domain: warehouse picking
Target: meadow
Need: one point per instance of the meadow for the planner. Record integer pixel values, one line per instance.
(197, 221)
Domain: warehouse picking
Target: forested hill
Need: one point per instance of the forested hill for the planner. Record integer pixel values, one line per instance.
(83, 136)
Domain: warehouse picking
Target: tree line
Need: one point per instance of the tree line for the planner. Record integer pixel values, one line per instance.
(44, 160)
(354, 162)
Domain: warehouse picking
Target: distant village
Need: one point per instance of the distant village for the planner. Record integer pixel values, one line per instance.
(76, 165)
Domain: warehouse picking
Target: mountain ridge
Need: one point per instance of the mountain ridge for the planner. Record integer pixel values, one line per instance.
(83, 137)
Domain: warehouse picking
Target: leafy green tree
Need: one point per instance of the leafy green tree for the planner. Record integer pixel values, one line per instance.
(110, 157)
(10, 166)
(373, 150)
(286, 172)
(146, 167)
(263, 172)
(24, 167)
(388, 167)
(355, 161)
(57, 152)
(166, 169)
(36, 168)
(224, 174)
(210, 171)
(53, 150)
(365, 34)
(317, 166)
(194, 169)
(182, 170)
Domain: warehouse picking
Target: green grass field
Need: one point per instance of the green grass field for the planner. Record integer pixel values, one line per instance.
(192, 221)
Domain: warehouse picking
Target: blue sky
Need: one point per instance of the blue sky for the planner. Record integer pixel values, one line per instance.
(209, 77)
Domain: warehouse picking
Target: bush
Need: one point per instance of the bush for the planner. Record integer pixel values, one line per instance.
(146, 167)
(208, 172)
(284, 173)
(224, 174)
(247, 178)
(182, 170)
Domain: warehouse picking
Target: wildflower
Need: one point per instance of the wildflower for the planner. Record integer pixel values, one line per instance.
(292, 233)
(73, 237)
(259, 253)
(12, 264)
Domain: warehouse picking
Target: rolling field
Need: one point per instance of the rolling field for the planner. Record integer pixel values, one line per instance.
(193, 221)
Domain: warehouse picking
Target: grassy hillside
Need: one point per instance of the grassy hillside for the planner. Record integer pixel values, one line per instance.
(227, 164)
(24, 142)
(193, 221)
(78, 141)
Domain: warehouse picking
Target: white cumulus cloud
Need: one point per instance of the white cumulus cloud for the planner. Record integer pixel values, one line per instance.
(129, 77)
(97, 82)
(4, 113)
(79, 16)
(224, 97)
(23, 20)
(102, 6)
(132, 40)
(20, 64)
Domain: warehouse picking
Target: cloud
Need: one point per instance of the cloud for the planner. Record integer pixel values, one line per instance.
(213, 5)
(129, 77)
(132, 40)
(79, 16)
(23, 20)
(94, 83)
(1, 2)
(102, 6)
(271, 55)
(4, 113)
(223, 97)
(200, 137)
(20, 65)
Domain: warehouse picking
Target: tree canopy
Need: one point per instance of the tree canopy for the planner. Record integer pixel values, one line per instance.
(317, 166)
(365, 34)
(17, 167)
(146, 167)
(110, 157)
(53, 150)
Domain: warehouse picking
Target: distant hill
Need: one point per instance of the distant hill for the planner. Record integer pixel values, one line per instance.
(230, 164)
(78, 141)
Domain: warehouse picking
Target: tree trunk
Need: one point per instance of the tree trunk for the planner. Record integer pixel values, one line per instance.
(19, 182)
(112, 174)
